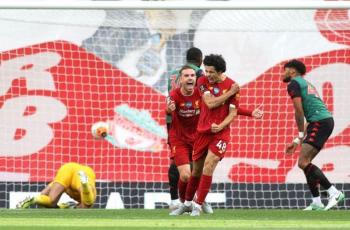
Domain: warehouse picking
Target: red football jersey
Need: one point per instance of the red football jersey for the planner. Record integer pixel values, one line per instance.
(218, 114)
(186, 115)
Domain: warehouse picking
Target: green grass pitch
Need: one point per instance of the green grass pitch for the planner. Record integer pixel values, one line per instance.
(40, 219)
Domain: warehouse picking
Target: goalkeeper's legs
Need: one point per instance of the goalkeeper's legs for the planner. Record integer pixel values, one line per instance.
(26, 203)
(48, 197)
(87, 191)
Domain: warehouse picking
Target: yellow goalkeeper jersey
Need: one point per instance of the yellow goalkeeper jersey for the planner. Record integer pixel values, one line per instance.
(67, 176)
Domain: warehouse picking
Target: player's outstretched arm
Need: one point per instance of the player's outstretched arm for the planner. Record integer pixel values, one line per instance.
(256, 113)
(215, 128)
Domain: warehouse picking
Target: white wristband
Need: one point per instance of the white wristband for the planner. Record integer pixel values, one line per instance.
(232, 106)
(301, 135)
(297, 141)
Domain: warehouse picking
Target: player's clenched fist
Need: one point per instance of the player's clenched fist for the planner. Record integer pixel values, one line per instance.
(170, 105)
(215, 128)
(291, 148)
(257, 113)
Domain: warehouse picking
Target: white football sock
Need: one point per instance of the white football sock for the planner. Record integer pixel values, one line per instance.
(332, 191)
(317, 200)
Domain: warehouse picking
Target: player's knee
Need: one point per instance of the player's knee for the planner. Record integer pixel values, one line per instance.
(49, 204)
(53, 201)
(302, 163)
(196, 172)
(185, 176)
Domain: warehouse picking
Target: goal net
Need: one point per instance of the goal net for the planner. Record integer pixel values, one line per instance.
(63, 70)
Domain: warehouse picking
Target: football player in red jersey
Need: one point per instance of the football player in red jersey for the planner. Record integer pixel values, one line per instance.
(218, 109)
(183, 104)
(194, 59)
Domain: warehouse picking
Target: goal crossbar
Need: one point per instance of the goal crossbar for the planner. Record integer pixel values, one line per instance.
(176, 5)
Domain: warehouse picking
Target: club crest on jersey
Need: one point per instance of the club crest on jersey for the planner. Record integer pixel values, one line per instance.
(196, 104)
(216, 90)
(188, 104)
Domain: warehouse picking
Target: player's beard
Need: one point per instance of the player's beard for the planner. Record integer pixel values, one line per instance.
(287, 79)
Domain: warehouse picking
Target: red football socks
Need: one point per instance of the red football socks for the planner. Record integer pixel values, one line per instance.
(192, 187)
(203, 188)
(182, 189)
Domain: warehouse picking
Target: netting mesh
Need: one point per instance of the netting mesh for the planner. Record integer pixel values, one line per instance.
(63, 70)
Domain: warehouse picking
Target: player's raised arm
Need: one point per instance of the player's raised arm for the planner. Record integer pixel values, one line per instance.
(257, 113)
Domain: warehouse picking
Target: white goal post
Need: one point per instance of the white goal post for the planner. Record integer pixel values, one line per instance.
(65, 65)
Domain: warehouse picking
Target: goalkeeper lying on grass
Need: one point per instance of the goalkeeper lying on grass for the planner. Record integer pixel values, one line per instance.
(78, 181)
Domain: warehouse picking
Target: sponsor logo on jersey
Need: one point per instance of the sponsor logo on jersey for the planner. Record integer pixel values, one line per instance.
(188, 104)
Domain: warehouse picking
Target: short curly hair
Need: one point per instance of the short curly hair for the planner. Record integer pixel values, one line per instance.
(217, 61)
(297, 65)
